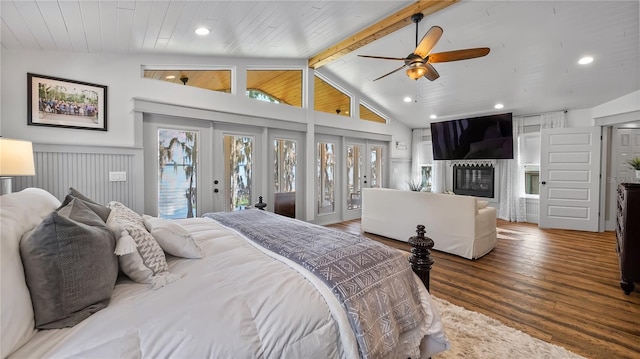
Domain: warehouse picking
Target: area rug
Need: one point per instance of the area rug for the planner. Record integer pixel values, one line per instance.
(503, 233)
(474, 335)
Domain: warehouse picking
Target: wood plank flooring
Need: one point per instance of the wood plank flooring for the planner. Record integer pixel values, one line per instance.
(556, 285)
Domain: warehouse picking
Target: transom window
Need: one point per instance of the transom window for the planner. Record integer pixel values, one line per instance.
(214, 80)
(327, 98)
(278, 86)
(368, 114)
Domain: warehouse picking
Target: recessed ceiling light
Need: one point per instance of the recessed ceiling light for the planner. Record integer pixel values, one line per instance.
(407, 99)
(498, 106)
(170, 77)
(433, 117)
(585, 60)
(202, 31)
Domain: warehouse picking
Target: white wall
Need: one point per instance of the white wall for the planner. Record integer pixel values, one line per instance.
(123, 76)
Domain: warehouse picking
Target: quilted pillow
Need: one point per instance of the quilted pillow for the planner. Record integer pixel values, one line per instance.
(140, 256)
(69, 266)
(172, 237)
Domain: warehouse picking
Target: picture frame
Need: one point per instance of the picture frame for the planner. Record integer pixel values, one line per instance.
(58, 102)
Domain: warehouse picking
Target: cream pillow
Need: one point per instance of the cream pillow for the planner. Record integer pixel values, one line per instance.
(480, 204)
(140, 256)
(172, 237)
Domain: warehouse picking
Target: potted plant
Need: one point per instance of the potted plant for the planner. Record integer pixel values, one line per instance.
(635, 163)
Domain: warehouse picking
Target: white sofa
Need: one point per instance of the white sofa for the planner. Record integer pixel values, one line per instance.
(457, 224)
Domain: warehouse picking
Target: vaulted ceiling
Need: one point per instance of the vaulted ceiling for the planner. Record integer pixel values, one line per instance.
(532, 66)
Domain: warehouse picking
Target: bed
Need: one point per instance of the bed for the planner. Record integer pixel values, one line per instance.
(239, 300)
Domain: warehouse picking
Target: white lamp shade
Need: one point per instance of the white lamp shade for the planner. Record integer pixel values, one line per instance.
(16, 158)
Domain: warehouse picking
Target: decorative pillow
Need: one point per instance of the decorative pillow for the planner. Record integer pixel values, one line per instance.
(146, 263)
(172, 237)
(100, 210)
(69, 266)
(480, 204)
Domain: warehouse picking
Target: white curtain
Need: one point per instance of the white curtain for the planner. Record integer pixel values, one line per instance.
(553, 120)
(512, 200)
(439, 179)
(416, 155)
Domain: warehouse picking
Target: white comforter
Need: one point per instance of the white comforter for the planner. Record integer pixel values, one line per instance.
(237, 302)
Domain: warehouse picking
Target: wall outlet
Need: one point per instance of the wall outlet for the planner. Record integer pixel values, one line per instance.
(117, 176)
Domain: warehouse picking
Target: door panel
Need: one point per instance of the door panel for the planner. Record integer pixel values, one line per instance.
(286, 184)
(235, 171)
(177, 182)
(328, 184)
(570, 178)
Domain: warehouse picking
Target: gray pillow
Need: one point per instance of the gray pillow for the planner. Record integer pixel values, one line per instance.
(69, 265)
(101, 210)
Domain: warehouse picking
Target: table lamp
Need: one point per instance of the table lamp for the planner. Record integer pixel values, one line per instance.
(16, 159)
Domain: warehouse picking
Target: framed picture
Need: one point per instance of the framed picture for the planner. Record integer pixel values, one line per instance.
(57, 102)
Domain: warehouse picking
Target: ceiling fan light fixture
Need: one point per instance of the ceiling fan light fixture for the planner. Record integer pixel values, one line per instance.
(416, 71)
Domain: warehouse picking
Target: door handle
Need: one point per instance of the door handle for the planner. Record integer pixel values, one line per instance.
(215, 190)
(543, 182)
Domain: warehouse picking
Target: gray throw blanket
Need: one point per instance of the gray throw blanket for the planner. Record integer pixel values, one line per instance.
(373, 282)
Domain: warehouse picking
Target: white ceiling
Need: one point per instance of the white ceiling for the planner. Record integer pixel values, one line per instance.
(532, 66)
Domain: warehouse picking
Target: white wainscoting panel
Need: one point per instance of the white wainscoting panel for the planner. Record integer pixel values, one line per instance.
(86, 168)
(533, 208)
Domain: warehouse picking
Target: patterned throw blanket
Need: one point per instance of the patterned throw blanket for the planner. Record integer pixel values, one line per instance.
(373, 282)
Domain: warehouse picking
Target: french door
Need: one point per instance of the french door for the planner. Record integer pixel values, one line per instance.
(364, 168)
(193, 167)
(286, 184)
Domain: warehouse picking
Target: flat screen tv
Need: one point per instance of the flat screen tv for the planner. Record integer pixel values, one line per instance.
(478, 138)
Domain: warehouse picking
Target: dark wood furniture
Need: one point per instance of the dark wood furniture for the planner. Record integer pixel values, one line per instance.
(628, 235)
(420, 259)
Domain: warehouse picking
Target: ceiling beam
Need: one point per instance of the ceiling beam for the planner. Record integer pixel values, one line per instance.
(378, 30)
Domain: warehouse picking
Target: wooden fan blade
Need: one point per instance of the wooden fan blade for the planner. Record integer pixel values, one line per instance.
(387, 74)
(428, 41)
(458, 55)
(431, 74)
(383, 57)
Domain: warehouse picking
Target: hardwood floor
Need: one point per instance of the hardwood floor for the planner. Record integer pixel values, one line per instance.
(556, 285)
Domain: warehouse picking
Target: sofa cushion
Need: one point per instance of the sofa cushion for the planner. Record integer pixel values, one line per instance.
(69, 265)
(172, 237)
(20, 212)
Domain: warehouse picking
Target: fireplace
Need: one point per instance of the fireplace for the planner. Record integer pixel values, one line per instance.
(474, 180)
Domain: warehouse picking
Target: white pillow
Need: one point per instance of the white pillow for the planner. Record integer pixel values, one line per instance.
(480, 204)
(20, 212)
(172, 237)
(144, 261)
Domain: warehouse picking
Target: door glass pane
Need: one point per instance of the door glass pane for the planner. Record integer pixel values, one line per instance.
(376, 167)
(238, 151)
(177, 166)
(285, 162)
(354, 170)
(325, 172)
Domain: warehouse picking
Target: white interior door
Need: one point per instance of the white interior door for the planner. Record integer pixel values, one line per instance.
(570, 178)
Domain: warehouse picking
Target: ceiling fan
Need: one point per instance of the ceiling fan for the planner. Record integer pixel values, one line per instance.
(419, 62)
